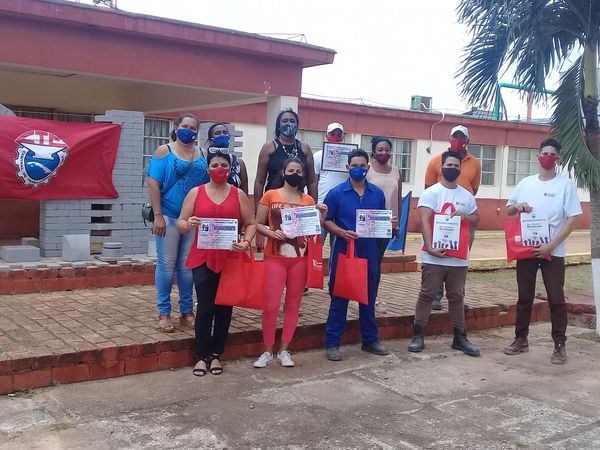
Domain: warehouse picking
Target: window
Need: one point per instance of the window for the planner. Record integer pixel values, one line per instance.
(314, 139)
(401, 154)
(487, 156)
(49, 114)
(156, 133)
(522, 162)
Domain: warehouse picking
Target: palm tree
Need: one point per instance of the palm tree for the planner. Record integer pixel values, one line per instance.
(535, 39)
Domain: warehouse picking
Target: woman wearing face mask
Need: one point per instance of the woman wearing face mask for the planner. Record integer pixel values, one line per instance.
(274, 153)
(389, 179)
(174, 170)
(285, 258)
(218, 137)
(217, 199)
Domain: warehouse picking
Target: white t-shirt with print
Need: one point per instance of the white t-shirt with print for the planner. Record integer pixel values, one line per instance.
(556, 199)
(327, 178)
(434, 198)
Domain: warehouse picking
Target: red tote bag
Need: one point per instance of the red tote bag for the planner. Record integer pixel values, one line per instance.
(314, 274)
(242, 282)
(465, 235)
(351, 277)
(514, 242)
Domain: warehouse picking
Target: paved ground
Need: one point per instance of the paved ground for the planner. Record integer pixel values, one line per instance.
(33, 325)
(438, 399)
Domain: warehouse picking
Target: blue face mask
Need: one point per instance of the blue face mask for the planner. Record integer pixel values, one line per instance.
(358, 173)
(186, 135)
(221, 141)
(288, 129)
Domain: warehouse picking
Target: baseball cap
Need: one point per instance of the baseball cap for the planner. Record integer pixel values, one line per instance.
(335, 126)
(464, 130)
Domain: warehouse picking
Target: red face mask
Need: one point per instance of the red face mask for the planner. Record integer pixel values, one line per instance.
(382, 158)
(548, 161)
(458, 145)
(219, 175)
(335, 138)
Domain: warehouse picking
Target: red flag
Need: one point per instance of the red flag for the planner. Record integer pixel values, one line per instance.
(48, 159)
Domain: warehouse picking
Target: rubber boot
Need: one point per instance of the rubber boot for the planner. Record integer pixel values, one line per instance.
(461, 342)
(418, 342)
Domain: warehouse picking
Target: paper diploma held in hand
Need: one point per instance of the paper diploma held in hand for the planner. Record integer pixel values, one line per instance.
(303, 221)
(217, 234)
(335, 156)
(374, 223)
(534, 229)
(446, 232)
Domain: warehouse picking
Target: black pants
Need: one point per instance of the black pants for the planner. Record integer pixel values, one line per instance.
(382, 244)
(210, 340)
(553, 274)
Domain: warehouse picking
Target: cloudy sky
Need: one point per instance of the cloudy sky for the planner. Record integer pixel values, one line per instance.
(386, 50)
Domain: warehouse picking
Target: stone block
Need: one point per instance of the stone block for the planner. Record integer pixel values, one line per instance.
(30, 241)
(19, 253)
(76, 247)
(151, 248)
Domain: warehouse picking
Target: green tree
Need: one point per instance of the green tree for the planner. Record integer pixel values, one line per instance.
(534, 39)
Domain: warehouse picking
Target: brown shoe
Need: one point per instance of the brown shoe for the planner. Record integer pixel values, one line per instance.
(165, 324)
(559, 355)
(519, 345)
(187, 320)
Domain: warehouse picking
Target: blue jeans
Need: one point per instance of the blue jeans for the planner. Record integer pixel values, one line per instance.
(172, 251)
(336, 321)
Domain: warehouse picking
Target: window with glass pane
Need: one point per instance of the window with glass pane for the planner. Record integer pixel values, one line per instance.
(522, 162)
(486, 154)
(156, 133)
(401, 154)
(314, 139)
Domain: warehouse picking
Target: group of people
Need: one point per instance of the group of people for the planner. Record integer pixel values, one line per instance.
(187, 183)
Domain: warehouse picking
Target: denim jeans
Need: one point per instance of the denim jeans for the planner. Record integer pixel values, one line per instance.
(172, 251)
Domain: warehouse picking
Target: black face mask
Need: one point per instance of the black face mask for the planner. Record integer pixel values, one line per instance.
(450, 173)
(293, 179)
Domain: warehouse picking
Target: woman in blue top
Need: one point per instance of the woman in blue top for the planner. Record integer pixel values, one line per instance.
(174, 170)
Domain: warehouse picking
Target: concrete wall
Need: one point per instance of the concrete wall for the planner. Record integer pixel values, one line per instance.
(105, 219)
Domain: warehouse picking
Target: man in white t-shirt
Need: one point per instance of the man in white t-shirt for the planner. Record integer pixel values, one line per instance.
(438, 269)
(328, 179)
(553, 196)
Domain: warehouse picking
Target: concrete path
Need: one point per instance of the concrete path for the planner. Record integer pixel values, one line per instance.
(439, 399)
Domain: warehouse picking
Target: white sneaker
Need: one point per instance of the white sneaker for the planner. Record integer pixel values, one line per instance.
(285, 358)
(263, 360)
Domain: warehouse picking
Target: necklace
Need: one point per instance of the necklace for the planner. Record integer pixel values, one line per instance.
(292, 152)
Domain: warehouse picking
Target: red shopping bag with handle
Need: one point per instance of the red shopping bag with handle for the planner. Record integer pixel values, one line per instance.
(462, 252)
(514, 241)
(352, 276)
(242, 282)
(314, 273)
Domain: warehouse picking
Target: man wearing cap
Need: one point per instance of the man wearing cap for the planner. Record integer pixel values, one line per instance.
(328, 179)
(470, 177)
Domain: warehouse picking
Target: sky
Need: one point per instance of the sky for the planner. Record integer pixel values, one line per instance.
(387, 50)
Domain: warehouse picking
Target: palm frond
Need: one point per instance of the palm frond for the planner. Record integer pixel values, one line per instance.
(567, 123)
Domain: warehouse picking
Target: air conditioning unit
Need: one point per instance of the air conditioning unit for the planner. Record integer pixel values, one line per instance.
(420, 103)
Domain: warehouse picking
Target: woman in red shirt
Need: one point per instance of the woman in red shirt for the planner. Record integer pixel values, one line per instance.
(286, 260)
(217, 199)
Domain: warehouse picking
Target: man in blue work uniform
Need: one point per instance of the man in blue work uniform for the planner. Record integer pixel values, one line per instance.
(342, 202)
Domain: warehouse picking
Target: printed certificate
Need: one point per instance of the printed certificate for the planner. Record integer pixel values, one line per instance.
(335, 156)
(535, 229)
(446, 232)
(374, 223)
(304, 221)
(217, 234)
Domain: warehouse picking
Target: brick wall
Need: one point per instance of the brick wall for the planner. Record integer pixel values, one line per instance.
(105, 219)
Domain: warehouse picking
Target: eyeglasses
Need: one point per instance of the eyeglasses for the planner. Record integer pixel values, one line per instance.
(213, 150)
